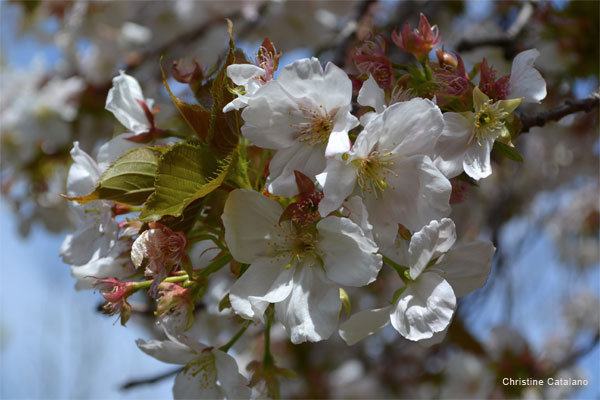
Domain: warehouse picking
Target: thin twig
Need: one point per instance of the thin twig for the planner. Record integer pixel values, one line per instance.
(568, 107)
(146, 381)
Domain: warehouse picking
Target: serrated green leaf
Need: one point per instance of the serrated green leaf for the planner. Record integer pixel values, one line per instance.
(507, 151)
(129, 180)
(186, 172)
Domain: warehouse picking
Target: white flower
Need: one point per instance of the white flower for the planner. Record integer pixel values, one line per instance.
(243, 75)
(94, 249)
(300, 270)
(525, 81)
(305, 115)
(123, 101)
(389, 167)
(438, 273)
(209, 373)
(467, 139)
(371, 95)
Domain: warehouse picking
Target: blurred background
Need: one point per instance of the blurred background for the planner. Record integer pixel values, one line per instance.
(538, 315)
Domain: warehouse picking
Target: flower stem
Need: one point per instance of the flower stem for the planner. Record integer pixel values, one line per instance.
(267, 357)
(217, 264)
(399, 268)
(235, 338)
(148, 283)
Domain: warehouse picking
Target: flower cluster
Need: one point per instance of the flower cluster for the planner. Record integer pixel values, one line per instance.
(306, 182)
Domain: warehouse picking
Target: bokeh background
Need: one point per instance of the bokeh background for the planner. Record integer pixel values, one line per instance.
(538, 315)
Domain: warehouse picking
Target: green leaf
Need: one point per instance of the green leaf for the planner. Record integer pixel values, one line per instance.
(186, 172)
(507, 151)
(129, 180)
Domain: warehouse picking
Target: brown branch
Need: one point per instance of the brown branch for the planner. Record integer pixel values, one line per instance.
(568, 107)
(146, 381)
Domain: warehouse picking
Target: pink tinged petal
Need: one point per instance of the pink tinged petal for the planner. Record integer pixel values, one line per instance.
(271, 118)
(311, 312)
(525, 81)
(371, 95)
(467, 266)
(419, 194)
(349, 256)
(266, 281)
(424, 308)
(251, 220)
(198, 380)
(122, 102)
(310, 160)
(364, 324)
(430, 242)
(452, 144)
(83, 174)
(411, 127)
(338, 181)
(477, 160)
(234, 385)
(167, 351)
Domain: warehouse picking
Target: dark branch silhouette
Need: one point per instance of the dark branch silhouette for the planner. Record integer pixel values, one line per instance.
(146, 381)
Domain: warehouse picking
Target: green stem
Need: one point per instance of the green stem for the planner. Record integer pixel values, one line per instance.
(427, 68)
(399, 268)
(268, 358)
(211, 238)
(172, 279)
(261, 168)
(217, 264)
(234, 339)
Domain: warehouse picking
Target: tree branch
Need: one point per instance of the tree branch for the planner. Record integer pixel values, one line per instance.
(146, 381)
(568, 107)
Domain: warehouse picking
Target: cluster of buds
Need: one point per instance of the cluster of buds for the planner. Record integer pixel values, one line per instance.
(177, 304)
(371, 59)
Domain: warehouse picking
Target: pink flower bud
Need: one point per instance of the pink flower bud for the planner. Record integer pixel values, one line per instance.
(496, 89)
(371, 59)
(267, 59)
(419, 42)
(116, 293)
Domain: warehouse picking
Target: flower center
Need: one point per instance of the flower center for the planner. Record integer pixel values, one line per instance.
(296, 246)
(317, 126)
(373, 172)
(489, 122)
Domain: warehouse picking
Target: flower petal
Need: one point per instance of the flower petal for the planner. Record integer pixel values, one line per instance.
(266, 281)
(338, 181)
(311, 312)
(83, 174)
(525, 81)
(234, 385)
(310, 160)
(477, 160)
(198, 380)
(467, 266)
(424, 308)
(339, 142)
(167, 351)
(349, 256)
(250, 220)
(241, 74)
(363, 324)
(451, 146)
(371, 95)
(122, 102)
(430, 242)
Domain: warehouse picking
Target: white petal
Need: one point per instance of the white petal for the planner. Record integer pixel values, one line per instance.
(525, 81)
(452, 145)
(338, 181)
(167, 351)
(437, 338)
(355, 210)
(339, 142)
(371, 95)
(310, 160)
(420, 193)
(198, 380)
(412, 127)
(250, 220)
(467, 266)
(139, 249)
(234, 385)
(425, 307)
(430, 242)
(83, 174)
(477, 159)
(349, 256)
(241, 74)
(121, 101)
(266, 281)
(363, 324)
(311, 312)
